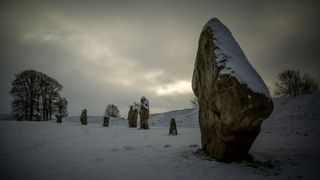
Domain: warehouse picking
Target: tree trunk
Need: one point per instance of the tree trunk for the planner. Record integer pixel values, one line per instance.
(43, 110)
(50, 112)
(38, 104)
(26, 112)
(47, 114)
(31, 111)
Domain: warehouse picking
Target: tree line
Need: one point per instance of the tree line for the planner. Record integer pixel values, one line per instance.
(37, 96)
(293, 83)
(112, 111)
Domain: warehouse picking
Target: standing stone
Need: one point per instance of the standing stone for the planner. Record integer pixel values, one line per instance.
(173, 127)
(130, 115)
(144, 113)
(233, 99)
(133, 115)
(59, 118)
(83, 117)
(19, 117)
(106, 121)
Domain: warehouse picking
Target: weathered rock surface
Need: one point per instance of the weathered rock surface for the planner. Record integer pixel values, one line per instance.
(144, 113)
(133, 115)
(233, 99)
(83, 117)
(173, 127)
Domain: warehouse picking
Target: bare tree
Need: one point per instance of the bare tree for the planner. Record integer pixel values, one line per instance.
(290, 83)
(309, 85)
(43, 93)
(34, 93)
(194, 102)
(54, 90)
(24, 92)
(112, 111)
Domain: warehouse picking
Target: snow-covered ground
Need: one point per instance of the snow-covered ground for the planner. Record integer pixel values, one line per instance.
(287, 148)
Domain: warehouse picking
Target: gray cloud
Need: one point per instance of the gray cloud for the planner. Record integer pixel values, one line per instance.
(114, 52)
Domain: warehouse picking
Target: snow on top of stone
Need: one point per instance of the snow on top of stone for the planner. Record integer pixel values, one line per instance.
(135, 106)
(230, 56)
(145, 102)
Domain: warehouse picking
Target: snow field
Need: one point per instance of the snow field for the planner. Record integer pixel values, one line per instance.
(287, 148)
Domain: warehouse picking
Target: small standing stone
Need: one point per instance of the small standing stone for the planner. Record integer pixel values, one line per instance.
(59, 118)
(19, 117)
(83, 117)
(144, 113)
(173, 127)
(106, 121)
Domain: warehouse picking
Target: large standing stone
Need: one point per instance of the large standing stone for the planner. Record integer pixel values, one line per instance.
(233, 99)
(83, 117)
(173, 127)
(144, 113)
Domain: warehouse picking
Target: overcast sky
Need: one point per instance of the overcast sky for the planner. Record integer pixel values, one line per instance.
(107, 52)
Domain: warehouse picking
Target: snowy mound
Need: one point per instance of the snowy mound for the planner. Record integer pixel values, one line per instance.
(184, 118)
(294, 115)
(232, 59)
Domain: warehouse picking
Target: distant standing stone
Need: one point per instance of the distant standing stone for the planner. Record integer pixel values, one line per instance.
(83, 117)
(173, 127)
(133, 115)
(106, 121)
(19, 117)
(59, 118)
(144, 113)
